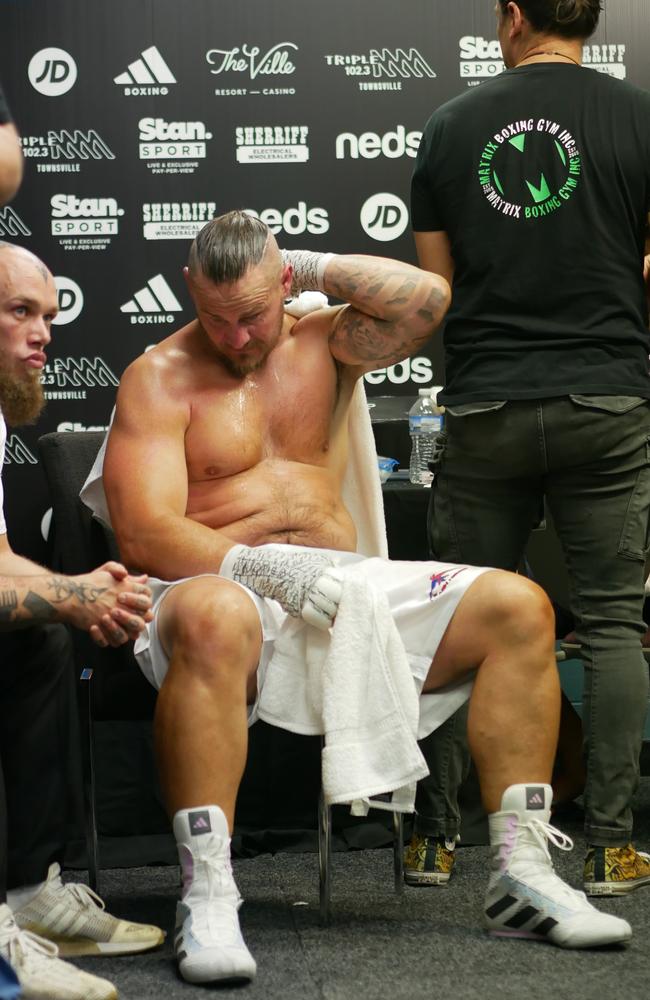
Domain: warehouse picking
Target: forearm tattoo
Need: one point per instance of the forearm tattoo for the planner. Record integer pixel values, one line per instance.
(379, 327)
(64, 588)
(8, 604)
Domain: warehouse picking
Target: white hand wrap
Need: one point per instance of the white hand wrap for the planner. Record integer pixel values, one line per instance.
(306, 584)
(308, 269)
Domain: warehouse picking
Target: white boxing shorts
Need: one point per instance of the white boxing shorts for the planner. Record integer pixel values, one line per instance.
(422, 596)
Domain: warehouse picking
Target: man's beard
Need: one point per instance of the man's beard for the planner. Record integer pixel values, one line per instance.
(21, 398)
(245, 367)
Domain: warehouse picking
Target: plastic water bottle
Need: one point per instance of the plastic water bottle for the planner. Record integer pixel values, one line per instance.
(425, 421)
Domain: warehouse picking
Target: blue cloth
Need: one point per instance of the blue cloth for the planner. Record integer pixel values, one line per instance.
(9, 986)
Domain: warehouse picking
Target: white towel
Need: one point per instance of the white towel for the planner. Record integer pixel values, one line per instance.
(354, 685)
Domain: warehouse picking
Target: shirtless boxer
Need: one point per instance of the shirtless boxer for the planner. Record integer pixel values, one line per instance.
(232, 434)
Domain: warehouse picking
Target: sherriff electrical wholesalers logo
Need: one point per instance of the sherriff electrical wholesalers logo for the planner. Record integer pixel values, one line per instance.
(530, 168)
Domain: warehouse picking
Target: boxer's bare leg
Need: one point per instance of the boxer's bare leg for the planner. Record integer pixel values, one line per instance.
(504, 626)
(211, 629)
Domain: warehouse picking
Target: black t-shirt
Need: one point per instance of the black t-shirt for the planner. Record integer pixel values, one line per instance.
(5, 115)
(541, 179)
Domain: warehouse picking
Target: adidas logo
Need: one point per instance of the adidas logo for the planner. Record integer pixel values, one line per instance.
(200, 822)
(150, 73)
(534, 798)
(155, 303)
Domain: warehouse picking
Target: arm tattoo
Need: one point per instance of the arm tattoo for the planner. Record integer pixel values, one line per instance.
(65, 588)
(8, 604)
(37, 606)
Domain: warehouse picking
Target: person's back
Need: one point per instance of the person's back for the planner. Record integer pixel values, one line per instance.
(530, 196)
(540, 178)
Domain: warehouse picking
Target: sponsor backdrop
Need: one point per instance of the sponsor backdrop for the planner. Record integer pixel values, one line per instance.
(141, 120)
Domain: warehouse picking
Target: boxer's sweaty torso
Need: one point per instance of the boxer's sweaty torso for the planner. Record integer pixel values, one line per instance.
(266, 453)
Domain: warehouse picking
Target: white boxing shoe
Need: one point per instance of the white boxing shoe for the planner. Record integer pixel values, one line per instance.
(208, 941)
(525, 897)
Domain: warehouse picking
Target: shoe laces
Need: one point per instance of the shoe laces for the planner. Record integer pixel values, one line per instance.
(22, 948)
(82, 894)
(546, 879)
(540, 832)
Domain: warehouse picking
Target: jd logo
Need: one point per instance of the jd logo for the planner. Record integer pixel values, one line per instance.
(384, 216)
(52, 72)
(70, 298)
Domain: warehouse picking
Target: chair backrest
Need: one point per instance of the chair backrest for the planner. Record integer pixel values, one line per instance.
(78, 544)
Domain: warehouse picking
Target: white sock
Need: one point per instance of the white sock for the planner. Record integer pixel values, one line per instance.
(16, 898)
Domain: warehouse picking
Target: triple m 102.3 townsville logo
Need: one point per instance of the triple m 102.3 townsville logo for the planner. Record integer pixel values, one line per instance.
(529, 168)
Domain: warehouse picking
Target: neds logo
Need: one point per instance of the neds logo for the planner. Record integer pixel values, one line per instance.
(294, 220)
(369, 145)
(417, 370)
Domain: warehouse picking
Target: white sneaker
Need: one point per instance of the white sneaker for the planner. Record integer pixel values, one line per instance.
(73, 916)
(525, 897)
(41, 974)
(208, 941)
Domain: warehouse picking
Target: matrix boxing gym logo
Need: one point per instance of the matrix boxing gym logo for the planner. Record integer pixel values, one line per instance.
(294, 221)
(383, 69)
(384, 216)
(417, 370)
(480, 58)
(147, 76)
(70, 378)
(17, 452)
(52, 72)
(175, 220)
(172, 147)
(71, 300)
(63, 148)
(272, 143)
(257, 65)
(11, 224)
(370, 145)
(530, 168)
(155, 303)
(84, 223)
(605, 58)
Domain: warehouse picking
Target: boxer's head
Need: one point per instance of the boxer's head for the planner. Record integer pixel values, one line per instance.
(28, 304)
(526, 24)
(238, 285)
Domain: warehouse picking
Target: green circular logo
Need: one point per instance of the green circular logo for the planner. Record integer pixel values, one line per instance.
(530, 168)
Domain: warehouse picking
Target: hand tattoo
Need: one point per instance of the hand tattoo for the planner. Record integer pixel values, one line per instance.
(65, 588)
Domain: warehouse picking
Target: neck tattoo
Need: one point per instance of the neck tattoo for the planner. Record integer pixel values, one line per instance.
(547, 52)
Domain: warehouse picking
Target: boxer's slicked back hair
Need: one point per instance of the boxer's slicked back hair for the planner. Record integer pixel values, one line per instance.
(226, 247)
(568, 18)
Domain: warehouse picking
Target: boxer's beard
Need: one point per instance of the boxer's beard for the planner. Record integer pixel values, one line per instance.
(21, 394)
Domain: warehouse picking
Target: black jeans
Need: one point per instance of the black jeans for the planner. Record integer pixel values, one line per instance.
(36, 717)
(590, 458)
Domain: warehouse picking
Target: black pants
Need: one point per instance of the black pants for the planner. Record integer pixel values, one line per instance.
(36, 717)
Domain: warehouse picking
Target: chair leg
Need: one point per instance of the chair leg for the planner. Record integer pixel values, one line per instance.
(398, 852)
(324, 857)
(89, 780)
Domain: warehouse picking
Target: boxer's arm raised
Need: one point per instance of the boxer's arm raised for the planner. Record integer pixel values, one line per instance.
(393, 307)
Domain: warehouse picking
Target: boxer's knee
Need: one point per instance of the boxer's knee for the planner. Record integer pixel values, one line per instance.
(518, 611)
(211, 621)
